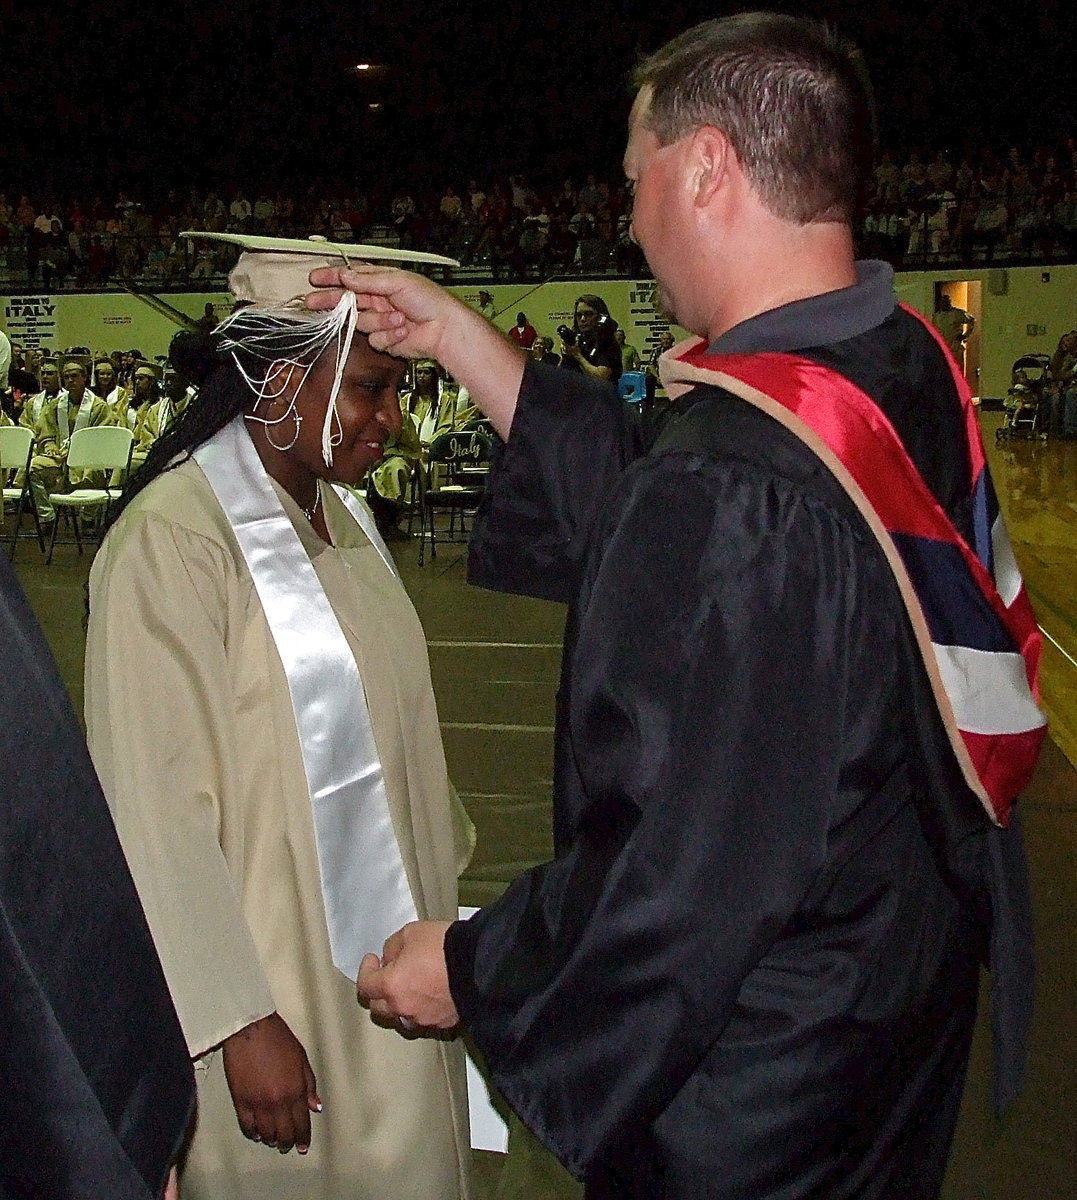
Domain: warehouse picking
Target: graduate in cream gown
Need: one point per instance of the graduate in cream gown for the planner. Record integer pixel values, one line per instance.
(431, 404)
(74, 407)
(194, 735)
(116, 397)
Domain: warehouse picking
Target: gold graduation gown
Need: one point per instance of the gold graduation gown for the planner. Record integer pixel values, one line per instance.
(191, 729)
(51, 440)
(402, 451)
(431, 420)
(153, 419)
(119, 410)
(32, 410)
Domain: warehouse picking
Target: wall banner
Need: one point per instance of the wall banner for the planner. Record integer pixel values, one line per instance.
(30, 320)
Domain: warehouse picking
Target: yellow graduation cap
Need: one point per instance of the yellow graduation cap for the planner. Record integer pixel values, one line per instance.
(147, 368)
(274, 326)
(274, 271)
(85, 361)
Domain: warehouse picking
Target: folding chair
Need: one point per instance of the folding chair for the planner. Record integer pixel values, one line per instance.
(16, 451)
(413, 496)
(101, 448)
(455, 479)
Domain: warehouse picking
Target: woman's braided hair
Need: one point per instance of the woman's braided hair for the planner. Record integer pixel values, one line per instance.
(222, 394)
(221, 369)
(229, 367)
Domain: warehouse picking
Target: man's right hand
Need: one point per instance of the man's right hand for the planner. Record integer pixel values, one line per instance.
(273, 1087)
(402, 313)
(411, 316)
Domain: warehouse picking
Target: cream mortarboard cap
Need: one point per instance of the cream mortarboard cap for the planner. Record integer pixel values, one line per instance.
(274, 327)
(275, 271)
(145, 368)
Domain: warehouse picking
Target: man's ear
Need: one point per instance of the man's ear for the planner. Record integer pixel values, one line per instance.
(711, 158)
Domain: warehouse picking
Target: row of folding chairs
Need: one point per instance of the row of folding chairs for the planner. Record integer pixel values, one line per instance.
(105, 448)
(444, 495)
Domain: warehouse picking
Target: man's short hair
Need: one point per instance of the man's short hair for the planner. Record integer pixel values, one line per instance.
(792, 98)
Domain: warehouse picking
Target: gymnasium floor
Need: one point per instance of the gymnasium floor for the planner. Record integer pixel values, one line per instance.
(495, 663)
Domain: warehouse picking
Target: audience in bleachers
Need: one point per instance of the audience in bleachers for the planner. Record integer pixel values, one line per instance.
(924, 209)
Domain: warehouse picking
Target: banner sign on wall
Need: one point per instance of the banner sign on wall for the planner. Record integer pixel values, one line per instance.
(647, 320)
(30, 320)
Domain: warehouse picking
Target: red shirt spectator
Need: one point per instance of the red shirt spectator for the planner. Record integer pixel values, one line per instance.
(523, 332)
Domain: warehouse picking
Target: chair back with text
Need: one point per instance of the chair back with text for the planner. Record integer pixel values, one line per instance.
(457, 466)
(479, 425)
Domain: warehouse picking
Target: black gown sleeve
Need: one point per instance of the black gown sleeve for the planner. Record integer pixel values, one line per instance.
(98, 1087)
(711, 690)
(571, 439)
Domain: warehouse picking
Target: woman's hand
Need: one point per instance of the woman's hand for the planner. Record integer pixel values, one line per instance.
(273, 1088)
(587, 367)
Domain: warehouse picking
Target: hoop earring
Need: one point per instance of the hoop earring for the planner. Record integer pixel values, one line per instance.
(290, 411)
(295, 436)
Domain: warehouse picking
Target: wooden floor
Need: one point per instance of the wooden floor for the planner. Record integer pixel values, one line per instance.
(495, 662)
(1037, 486)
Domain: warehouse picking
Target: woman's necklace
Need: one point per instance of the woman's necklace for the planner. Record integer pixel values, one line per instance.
(309, 512)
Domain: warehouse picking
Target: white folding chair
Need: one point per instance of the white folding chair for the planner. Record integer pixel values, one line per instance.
(16, 451)
(100, 448)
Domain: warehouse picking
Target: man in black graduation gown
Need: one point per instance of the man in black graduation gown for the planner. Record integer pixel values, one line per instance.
(98, 1086)
(751, 970)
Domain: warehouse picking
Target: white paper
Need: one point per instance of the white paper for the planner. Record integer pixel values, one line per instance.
(488, 1130)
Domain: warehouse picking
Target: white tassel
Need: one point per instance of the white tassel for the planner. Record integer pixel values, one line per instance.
(290, 336)
(344, 348)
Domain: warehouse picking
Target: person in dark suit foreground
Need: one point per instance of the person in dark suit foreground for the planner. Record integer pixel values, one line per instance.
(98, 1087)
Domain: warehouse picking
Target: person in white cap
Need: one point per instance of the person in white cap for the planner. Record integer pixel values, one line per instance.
(260, 712)
(74, 407)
